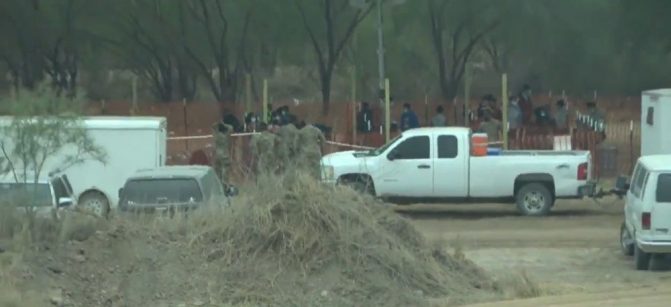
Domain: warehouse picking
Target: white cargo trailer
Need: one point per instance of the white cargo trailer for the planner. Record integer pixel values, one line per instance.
(131, 143)
(656, 122)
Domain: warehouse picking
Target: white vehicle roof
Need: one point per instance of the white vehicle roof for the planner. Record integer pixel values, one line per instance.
(192, 171)
(427, 130)
(656, 163)
(112, 122)
(658, 92)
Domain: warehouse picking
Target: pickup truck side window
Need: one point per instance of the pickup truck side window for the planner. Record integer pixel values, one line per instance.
(448, 148)
(663, 194)
(414, 148)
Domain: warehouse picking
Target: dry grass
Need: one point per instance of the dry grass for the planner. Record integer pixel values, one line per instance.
(520, 285)
(296, 242)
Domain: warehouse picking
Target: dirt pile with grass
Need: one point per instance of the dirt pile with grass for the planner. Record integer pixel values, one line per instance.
(293, 242)
(286, 241)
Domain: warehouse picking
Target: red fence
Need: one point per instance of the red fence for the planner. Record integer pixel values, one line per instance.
(197, 119)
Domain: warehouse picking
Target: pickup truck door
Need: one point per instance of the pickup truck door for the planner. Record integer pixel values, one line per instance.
(406, 170)
(450, 167)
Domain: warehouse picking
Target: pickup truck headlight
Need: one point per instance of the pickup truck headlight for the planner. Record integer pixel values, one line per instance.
(327, 172)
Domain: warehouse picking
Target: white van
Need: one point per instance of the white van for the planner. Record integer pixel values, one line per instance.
(646, 230)
(131, 143)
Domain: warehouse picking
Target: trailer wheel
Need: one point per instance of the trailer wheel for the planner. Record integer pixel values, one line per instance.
(534, 199)
(95, 202)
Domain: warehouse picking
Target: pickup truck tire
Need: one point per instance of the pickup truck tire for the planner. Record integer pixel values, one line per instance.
(626, 241)
(641, 259)
(363, 186)
(534, 199)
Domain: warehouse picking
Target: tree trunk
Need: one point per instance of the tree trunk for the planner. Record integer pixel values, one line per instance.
(326, 92)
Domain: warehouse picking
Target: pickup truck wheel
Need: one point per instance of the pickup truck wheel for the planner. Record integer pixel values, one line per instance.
(534, 199)
(641, 259)
(361, 184)
(626, 241)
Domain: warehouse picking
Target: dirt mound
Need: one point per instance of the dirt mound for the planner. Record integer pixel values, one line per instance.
(307, 244)
(292, 242)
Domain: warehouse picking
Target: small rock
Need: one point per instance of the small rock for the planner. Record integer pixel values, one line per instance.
(181, 305)
(419, 292)
(325, 293)
(56, 297)
(2, 249)
(79, 258)
(55, 269)
(198, 303)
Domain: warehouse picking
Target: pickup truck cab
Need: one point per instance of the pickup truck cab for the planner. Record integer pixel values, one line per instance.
(42, 197)
(646, 230)
(435, 164)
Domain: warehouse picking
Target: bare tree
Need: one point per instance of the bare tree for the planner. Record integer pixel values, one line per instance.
(340, 21)
(455, 38)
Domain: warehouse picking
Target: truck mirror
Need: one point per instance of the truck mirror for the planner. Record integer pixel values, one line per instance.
(622, 183)
(120, 192)
(65, 202)
(393, 155)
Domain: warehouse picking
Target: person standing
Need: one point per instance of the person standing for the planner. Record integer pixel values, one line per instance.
(514, 113)
(526, 105)
(408, 118)
(491, 127)
(365, 118)
(439, 120)
(561, 116)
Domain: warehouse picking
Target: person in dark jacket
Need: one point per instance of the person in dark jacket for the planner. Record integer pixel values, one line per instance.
(408, 118)
(365, 119)
(526, 105)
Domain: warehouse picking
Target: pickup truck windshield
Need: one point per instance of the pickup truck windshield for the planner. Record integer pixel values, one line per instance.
(664, 188)
(160, 191)
(379, 151)
(26, 194)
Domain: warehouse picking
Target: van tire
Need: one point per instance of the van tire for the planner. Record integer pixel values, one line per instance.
(96, 203)
(626, 241)
(534, 199)
(641, 259)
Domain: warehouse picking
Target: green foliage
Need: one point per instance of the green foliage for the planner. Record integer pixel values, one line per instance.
(197, 49)
(44, 125)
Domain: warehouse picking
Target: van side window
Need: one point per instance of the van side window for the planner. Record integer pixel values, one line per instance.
(639, 178)
(663, 193)
(414, 148)
(448, 148)
(645, 185)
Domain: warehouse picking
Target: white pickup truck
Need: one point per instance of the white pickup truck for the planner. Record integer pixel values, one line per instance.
(435, 164)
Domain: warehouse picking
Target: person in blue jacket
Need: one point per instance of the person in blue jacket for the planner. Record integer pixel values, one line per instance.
(408, 118)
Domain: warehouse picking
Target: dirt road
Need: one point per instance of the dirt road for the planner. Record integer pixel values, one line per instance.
(573, 252)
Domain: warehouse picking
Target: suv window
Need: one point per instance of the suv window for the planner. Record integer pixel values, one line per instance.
(663, 188)
(155, 191)
(416, 147)
(448, 147)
